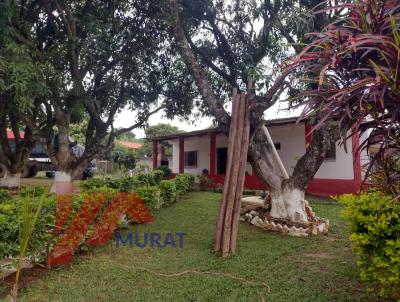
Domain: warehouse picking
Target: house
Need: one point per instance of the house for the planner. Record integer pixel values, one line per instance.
(129, 145)
(205, 150)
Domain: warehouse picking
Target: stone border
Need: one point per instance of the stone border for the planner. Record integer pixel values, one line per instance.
(316, 226)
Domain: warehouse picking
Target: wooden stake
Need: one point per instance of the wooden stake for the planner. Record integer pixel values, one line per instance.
(233, 178)
(228, 218)
(241, 177)
(232, 134)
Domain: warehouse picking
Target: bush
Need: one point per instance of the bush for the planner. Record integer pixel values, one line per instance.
(167, 171)
(167, 192)
(375, 231)
(9, 222)
(158, 176)
(191, 181)
(184, 183)
(123, 184)
(4, 196)
(145, 179)
(32, 192)
(204, 181)
(145, 184)
(150, 196)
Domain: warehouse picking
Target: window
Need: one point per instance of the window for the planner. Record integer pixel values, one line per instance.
(191, 159)
(332, 152)
(277, 146)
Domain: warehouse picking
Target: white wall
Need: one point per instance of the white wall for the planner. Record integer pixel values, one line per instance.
(342, 167)
(364, 158)
(292, 141)
(201, 144)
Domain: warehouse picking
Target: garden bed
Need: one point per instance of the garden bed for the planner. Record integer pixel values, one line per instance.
(305, 269)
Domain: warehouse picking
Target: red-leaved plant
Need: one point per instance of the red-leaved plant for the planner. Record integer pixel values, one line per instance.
(354, 64)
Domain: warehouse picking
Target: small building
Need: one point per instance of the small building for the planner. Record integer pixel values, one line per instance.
(205, 151)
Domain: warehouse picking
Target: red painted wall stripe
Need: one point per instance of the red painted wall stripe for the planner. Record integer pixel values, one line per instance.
(213, 151)
(181, 155)
(155, 154)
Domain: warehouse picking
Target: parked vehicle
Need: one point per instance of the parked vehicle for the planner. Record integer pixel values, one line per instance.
(39, 161)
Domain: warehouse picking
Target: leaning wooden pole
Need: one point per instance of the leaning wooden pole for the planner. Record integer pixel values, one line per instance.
(232, 134)
(241, 177)
(228, 218)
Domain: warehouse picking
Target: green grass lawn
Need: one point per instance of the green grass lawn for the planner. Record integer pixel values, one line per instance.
(296, 269)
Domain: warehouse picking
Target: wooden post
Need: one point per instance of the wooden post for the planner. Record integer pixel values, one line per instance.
(181, 155)
(221, 215)
(213, 151)
(228, 218)
(241, 178)
(155, 155)
(233, 178)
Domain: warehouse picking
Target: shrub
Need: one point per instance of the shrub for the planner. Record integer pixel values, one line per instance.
(4, 196)
(145, 179)
(123, 184)
(375, 231)
(9, 222)
(191, 181)
(181, 183)
(167, 192)
(32, 192)
(204, 181)
(150, 196)
(92, 183)
(184, 183)
(158, 176)
(167, 171)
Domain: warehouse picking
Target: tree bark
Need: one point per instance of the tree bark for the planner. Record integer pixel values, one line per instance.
(287, 195)
(10, 180)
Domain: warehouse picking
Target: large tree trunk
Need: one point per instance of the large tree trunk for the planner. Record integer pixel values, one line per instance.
(62, 184)
(287, 195)
(288, 204)
(10, 176)
(10, 180)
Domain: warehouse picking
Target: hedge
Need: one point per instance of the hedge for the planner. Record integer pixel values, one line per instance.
(9, 227)
(125, 184)
(374, 221)
(155, 196)
(168, 192)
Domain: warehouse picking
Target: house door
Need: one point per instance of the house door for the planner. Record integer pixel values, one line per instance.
(222, 157)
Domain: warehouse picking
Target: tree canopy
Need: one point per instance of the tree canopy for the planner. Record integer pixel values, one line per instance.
(157, 130)
(356, 63)
(100, 57)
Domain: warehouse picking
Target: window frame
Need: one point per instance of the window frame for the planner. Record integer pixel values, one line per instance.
(332, 150)
(186, 159)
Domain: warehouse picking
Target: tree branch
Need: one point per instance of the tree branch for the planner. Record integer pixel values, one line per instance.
(197, 72)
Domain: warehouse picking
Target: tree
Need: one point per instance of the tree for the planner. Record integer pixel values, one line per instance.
(123, 157)
(157, 130)
(356, 63)
(103, 56)
(77, 130)
(223, 48)
(21, 83)
(129, 137)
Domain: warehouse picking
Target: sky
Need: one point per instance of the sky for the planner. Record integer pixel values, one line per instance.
(126, 118)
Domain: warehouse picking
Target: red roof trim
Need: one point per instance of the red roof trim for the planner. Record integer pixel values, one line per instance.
(130, 145)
